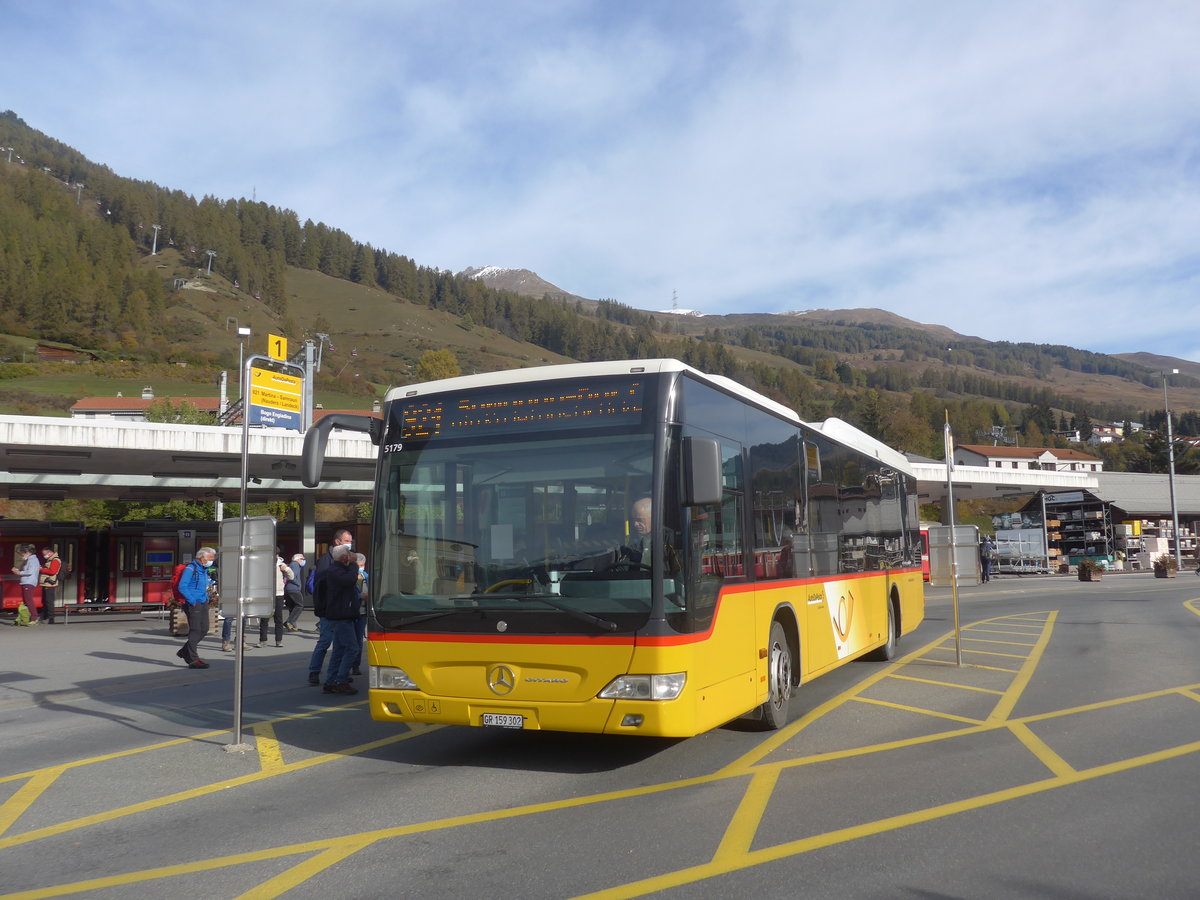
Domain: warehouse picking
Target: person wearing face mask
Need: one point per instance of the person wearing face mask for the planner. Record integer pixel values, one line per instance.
(341, 537)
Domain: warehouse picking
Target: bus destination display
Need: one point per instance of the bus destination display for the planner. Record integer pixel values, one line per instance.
(520, 407)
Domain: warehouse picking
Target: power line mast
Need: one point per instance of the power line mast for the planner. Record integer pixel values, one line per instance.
(998, 435)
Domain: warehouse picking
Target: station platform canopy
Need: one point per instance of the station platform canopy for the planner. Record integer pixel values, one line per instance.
(49, 458)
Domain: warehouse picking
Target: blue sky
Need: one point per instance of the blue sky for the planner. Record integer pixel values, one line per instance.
(1023, 171)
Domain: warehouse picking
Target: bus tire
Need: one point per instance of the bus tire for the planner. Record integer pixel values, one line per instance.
(773, 713)
(888, 650)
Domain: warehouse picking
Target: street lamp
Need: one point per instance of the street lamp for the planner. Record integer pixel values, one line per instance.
(1171, 471)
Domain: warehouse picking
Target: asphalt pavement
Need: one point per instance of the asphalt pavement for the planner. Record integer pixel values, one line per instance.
(106, 654)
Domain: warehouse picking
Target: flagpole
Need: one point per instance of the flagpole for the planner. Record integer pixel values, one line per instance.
(949, 448)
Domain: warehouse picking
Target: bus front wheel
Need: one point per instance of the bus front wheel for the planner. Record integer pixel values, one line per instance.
(774, 713)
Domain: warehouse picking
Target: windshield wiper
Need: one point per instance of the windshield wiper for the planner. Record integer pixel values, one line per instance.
(424, 617)
(603, 624)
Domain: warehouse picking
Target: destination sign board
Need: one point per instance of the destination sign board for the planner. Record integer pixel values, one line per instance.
(275, 399)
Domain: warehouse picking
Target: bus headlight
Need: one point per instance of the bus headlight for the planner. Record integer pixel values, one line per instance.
(390, 678)
(645, 687)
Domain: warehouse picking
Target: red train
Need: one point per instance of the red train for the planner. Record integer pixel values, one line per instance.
(128, 565)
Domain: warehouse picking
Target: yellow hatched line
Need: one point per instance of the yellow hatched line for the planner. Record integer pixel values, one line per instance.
(755, 798)
(176, 742)
(1193, 694)
(744, 824)
(1041, 749)
(1001, 631)
(950, 662)
(26, 795)
(1182, 690)
(993, 653)
(717, 868)
(192, 793)
(949, 684)
(785, 734)
(301, 872)
(918, 709)
(1003, 643)
(1005, 705)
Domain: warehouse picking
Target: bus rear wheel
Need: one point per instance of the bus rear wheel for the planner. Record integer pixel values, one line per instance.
(774, 713)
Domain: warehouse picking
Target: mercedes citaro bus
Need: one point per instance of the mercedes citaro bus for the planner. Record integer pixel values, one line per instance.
(626, 547)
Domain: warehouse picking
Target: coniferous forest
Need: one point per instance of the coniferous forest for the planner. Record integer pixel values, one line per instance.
(72, 235)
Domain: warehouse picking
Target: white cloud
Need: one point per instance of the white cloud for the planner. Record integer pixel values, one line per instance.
(1018, 170)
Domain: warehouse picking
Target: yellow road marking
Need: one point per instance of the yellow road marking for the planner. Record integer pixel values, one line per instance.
(1193, 605)
(1001, 631)
(993, 653)
(963, 687)
(301, 872)
(1041, 750)
(338, 848)
(975, 640)
(918, 709)
(1006, 703)
(733, 852)
(744, 824)
(16, 805)
(828, 839)
(176, 742)
(270, 757)
(192, 793)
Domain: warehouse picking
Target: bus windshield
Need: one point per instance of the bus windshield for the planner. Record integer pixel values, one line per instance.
(540, 528)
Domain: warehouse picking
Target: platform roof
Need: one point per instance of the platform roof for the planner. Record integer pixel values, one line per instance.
(48, 458)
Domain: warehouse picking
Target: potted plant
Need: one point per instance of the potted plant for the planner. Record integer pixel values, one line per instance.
(1165, 566)
(1089, 570)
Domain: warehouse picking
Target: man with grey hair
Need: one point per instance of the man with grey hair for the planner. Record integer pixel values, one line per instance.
(195, 589)
(337, 597)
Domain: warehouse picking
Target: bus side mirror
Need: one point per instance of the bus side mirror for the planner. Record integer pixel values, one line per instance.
(313, 456)
(701, 471)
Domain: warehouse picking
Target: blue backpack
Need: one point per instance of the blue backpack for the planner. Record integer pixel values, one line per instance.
(312, 580)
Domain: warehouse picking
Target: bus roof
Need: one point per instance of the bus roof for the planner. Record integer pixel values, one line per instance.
(845, 433)
(588, 370)
(835, 429)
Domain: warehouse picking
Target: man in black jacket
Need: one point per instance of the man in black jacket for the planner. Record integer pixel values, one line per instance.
(341, 537)
(336, 601)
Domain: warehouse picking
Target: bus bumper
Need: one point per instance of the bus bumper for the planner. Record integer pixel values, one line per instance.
(638, 717)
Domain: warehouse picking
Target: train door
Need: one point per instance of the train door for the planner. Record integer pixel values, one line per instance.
(160, 553)
(68, 574)
(129, 569)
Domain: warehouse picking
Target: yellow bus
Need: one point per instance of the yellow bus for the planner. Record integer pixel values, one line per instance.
(628, 547)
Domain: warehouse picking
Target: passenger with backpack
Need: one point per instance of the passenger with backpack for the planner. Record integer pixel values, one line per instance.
(28, 570)
(195, 588)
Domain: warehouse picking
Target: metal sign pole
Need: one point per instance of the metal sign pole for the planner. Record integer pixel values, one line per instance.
(243, 576)
(949, 442)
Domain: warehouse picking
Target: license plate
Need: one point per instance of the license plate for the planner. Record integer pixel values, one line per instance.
(501, 720)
